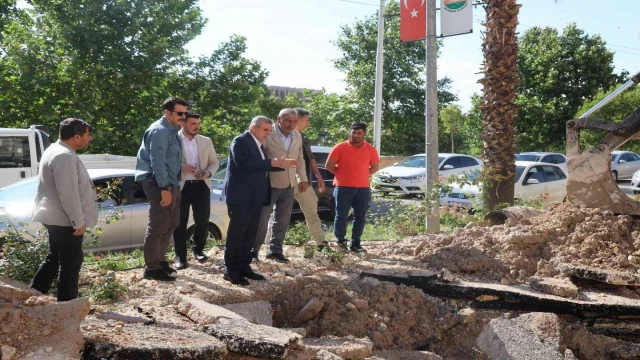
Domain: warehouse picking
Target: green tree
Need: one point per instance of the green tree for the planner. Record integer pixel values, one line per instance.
(558, 72)
(616, 111)
(452, 119)
(106, 62)
(403, 88)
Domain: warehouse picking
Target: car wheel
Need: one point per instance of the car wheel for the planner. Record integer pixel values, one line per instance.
(614, 175)
(212, 234)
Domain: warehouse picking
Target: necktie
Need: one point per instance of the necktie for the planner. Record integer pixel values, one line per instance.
(264, 151)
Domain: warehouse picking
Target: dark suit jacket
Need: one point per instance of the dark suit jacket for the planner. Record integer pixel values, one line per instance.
(246, 181)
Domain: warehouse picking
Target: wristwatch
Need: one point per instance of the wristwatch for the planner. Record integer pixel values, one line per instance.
(167, 187)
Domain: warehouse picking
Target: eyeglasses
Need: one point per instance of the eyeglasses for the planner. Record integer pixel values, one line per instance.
(179, 113)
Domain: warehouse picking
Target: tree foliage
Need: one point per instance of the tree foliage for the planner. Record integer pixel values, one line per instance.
(558, 72)
(403, 130)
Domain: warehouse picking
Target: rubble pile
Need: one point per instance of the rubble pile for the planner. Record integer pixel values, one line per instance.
(537, 246)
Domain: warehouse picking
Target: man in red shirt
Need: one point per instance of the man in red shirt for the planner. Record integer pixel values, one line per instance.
(352, 162)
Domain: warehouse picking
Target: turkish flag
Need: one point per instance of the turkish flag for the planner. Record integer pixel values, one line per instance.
(413, 20)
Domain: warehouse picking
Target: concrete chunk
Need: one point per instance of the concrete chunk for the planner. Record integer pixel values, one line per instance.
(200, 311)
(349, 348)
(309, 311)
(559, 287)
(606, 276)
(244, 337)
(325, 355)
(403, 355)
(257, 312)
(515, 340)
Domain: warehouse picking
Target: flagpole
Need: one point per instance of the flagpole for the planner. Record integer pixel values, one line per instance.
(431, 117)
(377, 115)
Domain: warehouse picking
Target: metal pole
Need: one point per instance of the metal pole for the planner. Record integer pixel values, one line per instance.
(431, 116)
(377, 115)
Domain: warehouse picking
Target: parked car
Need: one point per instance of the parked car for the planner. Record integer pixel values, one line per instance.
(545, 157)
(16, 201)
(326, 202)
(408, 175)
(624, 164)
(532, 179)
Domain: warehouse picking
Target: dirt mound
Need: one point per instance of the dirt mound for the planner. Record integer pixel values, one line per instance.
(513, 252)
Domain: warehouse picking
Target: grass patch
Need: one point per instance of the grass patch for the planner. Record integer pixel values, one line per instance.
(114, 261)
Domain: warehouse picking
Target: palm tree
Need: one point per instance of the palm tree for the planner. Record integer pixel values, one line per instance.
(500, 49)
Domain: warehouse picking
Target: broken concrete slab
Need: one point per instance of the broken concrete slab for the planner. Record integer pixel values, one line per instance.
(244, 337)
(200, 311)
(413, 278)
(606, 276)
(508, 339)
(519, 297)
(349, 348)
(403, 355)
(39, 325)
(257, 312)
(140, 342)
(553, 286)
(311, 309)
(325, 355)
(615, 327)
(127, 315)
(13, 291)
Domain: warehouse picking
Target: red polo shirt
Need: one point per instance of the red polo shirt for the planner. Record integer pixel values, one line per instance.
(353, 164)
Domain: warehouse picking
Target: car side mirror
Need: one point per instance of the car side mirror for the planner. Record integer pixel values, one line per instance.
(533, 181)
(447, 167)
(622, 161)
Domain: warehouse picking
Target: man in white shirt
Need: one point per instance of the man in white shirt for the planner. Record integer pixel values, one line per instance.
(199, 163)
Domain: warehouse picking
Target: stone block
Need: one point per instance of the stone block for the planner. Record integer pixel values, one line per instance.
(257, 312)
(348, 348)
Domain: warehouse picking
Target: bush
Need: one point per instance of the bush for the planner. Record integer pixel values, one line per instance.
(23, 256)
(107, 289)
(298, 234)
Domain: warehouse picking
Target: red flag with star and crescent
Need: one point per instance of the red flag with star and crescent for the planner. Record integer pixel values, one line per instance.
(413, 20)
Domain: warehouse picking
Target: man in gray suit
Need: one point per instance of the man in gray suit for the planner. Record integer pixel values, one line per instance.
(283, 142)
(66, 205)
(199, 163)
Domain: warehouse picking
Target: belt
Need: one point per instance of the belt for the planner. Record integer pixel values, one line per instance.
(193, 181)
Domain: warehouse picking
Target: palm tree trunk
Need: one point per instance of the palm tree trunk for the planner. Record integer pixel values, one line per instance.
(500, 49)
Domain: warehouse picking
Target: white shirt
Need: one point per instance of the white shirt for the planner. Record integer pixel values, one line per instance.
(191, 153)
(259, 145)
(285, 139)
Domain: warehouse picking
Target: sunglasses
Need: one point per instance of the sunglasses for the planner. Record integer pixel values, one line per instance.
(179, 113)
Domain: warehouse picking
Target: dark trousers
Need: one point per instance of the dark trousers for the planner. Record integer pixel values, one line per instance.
(347, 198)
(196, 195)
(64, 255)
(163, 220)
(243, 227)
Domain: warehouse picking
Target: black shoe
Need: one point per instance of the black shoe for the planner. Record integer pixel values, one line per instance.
(157, 274)
(278, 257)
(358, 249)
(181, 264)
(235, 280)
(168, 269)
(200, 256)
(250, 274)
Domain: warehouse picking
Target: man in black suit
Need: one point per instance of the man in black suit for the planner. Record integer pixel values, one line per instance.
(246, 190)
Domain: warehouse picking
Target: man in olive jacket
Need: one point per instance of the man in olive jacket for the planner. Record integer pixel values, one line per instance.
(66, 205)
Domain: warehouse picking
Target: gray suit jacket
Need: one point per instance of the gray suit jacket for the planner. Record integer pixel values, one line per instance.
(207, 157)
(66, 195)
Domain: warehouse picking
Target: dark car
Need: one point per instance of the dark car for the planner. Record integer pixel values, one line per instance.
(326, 202)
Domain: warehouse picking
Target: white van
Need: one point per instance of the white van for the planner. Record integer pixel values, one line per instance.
(21, 151)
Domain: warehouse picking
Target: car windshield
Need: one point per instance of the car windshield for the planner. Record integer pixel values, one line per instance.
(527, 157)
(416, 161)
(20, 192)
(519, 171)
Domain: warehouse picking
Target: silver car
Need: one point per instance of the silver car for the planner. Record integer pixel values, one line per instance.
(129, 200)
(624, 164)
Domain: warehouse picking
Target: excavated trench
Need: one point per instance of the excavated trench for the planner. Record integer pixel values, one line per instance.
(562, 285)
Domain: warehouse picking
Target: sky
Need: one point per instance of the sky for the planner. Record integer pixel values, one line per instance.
(292, 39)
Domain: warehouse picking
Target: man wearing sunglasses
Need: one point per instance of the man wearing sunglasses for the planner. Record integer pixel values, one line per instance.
(66, 205)
(158, 167)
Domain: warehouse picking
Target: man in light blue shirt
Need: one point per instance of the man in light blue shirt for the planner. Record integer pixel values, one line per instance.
(158, 167)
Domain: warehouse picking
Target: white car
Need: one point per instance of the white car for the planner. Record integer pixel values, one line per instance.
(408, 175)
(532, 179)
(624, 164)
(16, 201)
(545, 157)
